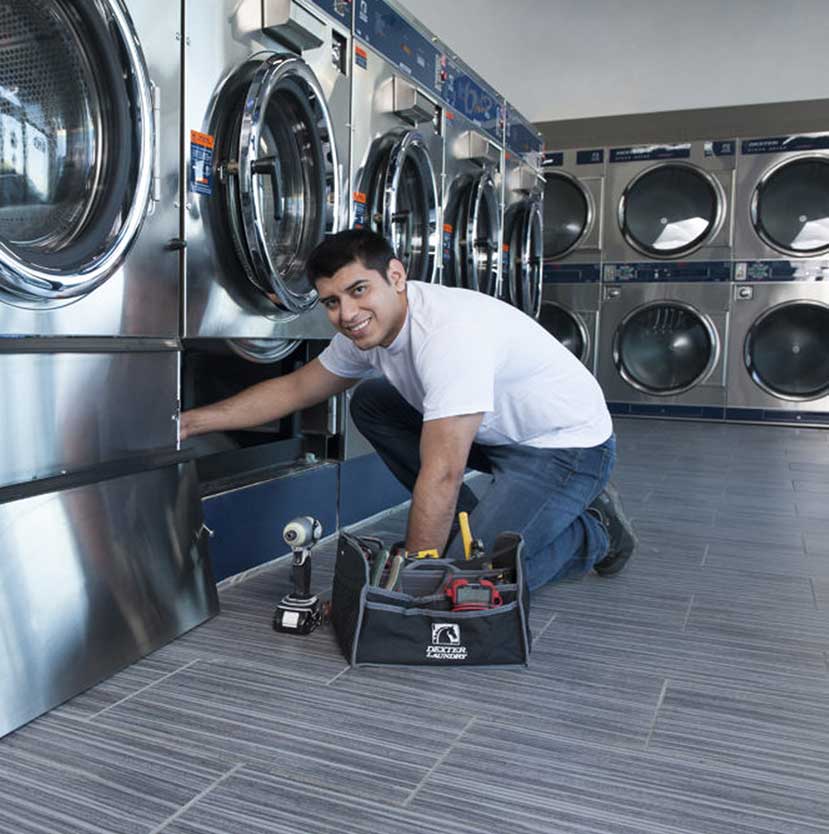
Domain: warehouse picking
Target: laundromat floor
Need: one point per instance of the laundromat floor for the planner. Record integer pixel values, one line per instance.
(687, 694)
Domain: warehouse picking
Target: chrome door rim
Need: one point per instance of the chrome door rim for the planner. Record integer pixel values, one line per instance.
(534, 227)
(755, 200)
(748, 361)
(413, 143)
(264, 83)
(709, 326)
(263, 351)
(713, 231)
(591, 211)
(584, 333)
(483, 191)
(31, 282)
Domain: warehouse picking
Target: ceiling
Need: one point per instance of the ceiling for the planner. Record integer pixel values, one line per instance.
(569, 59)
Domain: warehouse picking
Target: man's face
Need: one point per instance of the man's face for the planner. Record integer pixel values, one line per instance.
(363, 305)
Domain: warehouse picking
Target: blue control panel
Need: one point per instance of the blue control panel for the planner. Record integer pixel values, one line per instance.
(723, 147)
(522, 138)
(681, 271)
(648, 152)
(566, 273)
(781, 271)
(471, 98)
(783, 144)
(338, 9)
(689, 412)
(380, 26)
(777, 415)
(552, 159)
(555, 159)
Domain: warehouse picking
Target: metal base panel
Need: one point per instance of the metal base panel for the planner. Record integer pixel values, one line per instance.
(94, 578)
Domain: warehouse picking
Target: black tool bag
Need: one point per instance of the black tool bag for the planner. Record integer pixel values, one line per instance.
(415, 626)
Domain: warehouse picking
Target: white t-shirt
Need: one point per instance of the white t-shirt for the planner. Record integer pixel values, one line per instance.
(464, 352)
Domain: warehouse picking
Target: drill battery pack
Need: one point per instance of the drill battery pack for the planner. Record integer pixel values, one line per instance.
(428, 611)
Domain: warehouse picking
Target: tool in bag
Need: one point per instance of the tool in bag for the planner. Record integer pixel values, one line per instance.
(300, 612)
(466, 595)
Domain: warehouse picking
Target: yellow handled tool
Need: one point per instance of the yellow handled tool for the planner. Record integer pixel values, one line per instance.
(425, 554)
(466, 534)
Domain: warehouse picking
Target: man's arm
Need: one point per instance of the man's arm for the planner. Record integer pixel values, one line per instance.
(444, 451)
(266, 401)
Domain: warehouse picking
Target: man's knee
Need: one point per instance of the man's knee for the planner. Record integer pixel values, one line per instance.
(376, 402)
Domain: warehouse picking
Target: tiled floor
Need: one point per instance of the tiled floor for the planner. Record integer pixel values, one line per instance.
(688, 694)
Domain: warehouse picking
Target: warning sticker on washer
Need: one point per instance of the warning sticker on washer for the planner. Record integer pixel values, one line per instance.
(201, 162)
(360, 57)
(360, 205)
(448, 234)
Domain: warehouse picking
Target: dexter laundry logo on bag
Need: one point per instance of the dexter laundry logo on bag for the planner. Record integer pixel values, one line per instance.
(446, 643)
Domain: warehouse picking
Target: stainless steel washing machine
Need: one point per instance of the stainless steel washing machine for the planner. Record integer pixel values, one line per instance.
(663, 342)
(266, 145)
(778, 356)
(571, 313)
(573, 205)
(89, 168)
(670, 203)
(472, 181)
(397, 144)
(523, 247)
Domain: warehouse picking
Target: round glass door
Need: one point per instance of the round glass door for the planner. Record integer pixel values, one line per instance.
(786, 351)
(671, 210)
(567, 327)
(399, 183)
(524, 233)
(76, 145)
(568, 214)
(665, 348)
(790, 207)
(284, 190)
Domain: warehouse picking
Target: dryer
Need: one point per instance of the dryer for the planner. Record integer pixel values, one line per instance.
(472, 180)
(570, 311)
(266, 145)
(397, 141)
(89, 168)
(523, 248)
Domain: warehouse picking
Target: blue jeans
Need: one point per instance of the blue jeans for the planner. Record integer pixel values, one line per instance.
(540, 493)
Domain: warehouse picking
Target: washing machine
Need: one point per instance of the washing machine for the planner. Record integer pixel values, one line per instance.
(670, 203)
(397, 140)
(472, 181)
(523, 245)
(662, 344)
(89, 168)
(266, 147)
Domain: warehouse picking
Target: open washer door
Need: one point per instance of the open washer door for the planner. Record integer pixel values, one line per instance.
(569, 214)
(786, 351)
(665, 348)
(790, 206)
(671, 210)
(523, 234)
(77, 144)
(282, 189)
(401, 195)
(475, 219)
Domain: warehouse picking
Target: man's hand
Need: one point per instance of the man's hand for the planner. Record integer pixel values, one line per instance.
(444, 451)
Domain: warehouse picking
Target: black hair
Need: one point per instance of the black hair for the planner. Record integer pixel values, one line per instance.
(344, 248)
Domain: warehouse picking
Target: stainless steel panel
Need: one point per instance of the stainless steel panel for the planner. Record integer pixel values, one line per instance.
(711, 301)
(94, 578)
(719, 170)
(221, 35)
(141, 297)
(582, 301)
(750, 301)
(751, 168)
(63, 412)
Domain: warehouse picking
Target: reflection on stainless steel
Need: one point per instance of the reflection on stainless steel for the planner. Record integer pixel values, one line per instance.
(68, 411)
(94, 578)
(263, 351)
(481, 235)
(66, 242)
(569, 213)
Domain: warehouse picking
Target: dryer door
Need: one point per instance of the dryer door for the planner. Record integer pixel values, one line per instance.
(790, 206)
(665, 348)
(569, 214)
(524, 235)
(283, 188)
(671, 210)
(567, 327)
(77, 143)
(786, 351)
(478, 232)
(401, 192)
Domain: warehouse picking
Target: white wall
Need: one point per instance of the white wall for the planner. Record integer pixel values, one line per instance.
(568, 59)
